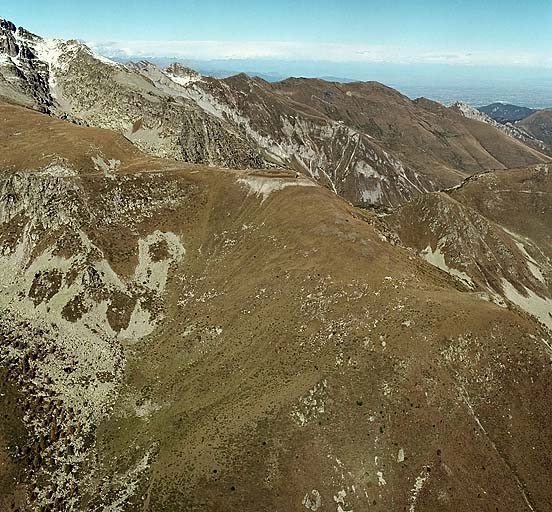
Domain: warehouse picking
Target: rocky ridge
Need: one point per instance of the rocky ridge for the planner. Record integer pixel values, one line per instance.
(513, 130)
(365, 142)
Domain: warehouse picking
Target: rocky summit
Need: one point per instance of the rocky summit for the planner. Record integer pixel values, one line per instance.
(235, 295)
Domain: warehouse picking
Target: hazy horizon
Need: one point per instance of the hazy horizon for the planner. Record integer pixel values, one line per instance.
(478, 52)
(475, 85)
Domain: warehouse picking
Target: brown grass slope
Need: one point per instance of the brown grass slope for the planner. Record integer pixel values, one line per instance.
(425, 135)
(539, 125)
(224, 340)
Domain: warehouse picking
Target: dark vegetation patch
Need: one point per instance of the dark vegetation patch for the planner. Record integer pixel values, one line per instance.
(159, 251)
(75, 308)
(120, 310)
(45, 285)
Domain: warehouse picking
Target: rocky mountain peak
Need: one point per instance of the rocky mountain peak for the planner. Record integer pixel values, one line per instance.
(470, 112)
(178, 69)
(7, 25)
(8, 42)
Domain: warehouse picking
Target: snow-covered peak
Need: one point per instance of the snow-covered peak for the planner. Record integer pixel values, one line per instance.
(39, 62)
(54, 51)
(48, 51)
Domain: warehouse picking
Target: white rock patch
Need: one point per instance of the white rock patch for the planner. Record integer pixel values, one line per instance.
(418, 486)
(539, 307)
(153, 274)
(313, 500)
(262, 186)
(437, 259)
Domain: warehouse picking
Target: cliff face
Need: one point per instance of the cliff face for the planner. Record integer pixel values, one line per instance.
(24, 78)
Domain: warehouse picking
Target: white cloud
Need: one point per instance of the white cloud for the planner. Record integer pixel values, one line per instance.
(333, 52)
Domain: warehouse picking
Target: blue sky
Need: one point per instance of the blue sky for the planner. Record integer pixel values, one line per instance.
(483, 32)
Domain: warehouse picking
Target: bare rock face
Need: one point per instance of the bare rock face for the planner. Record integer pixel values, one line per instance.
(24, 76)
(8, 44)
(204, 140)
(183, 73)
(68, 80)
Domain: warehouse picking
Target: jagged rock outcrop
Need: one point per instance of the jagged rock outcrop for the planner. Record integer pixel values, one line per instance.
(67, 79)
(23, 77)
(182, 74)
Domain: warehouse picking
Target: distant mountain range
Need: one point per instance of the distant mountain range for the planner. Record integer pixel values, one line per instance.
(365, 141)
(506, 113)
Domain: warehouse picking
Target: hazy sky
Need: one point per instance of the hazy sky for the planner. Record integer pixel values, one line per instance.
(473, 32)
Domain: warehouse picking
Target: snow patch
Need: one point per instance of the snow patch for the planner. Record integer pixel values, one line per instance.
(311, 405)
(339, 498)
(184, 80)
